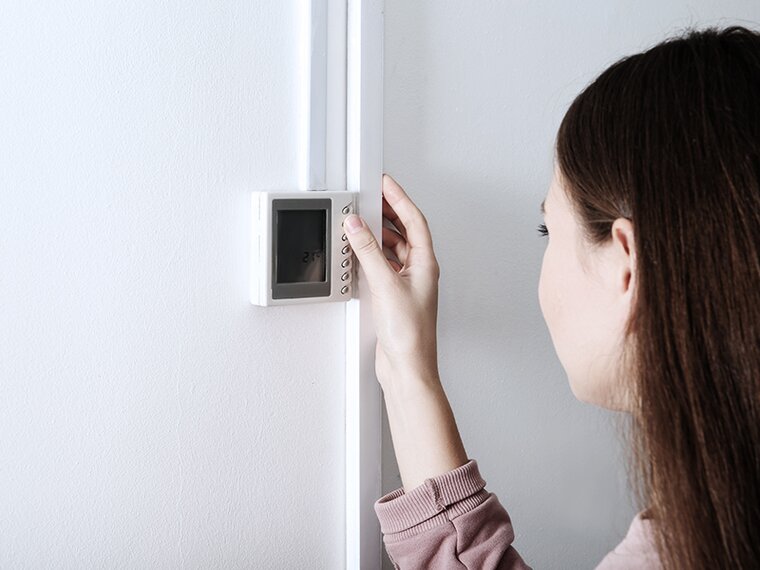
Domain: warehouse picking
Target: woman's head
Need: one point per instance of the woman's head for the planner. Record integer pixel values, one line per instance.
(651, 279)
(586, 291)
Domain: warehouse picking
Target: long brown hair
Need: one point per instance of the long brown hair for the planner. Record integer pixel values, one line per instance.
(670, 139)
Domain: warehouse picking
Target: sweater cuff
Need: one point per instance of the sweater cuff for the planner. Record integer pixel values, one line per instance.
(462, 487)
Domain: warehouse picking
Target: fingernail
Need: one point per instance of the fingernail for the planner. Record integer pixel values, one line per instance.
(353, 223)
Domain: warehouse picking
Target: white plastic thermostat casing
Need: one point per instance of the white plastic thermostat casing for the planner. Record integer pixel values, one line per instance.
(299, 250)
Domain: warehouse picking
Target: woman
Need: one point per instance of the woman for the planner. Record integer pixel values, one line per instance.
(653, 218)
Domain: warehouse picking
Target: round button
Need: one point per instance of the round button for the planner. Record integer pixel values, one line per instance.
(344, 289)
(344, 277)
(343, 237)
(345, 262)
(346, 209)
(345, 249)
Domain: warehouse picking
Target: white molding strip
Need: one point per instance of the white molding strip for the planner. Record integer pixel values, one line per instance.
(322, 95)
(340, 147)
(317, 77)
(363, 395)
(335, 127)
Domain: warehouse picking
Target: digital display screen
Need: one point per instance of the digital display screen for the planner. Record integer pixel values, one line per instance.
(301, 236)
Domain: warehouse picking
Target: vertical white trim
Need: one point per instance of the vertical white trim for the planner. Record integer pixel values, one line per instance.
(322, 88)
(304, 94)
(363, 395)
(335, 127)
(341, 108)
(318, 97)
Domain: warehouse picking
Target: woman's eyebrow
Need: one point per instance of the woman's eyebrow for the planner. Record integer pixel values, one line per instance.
(543, 209)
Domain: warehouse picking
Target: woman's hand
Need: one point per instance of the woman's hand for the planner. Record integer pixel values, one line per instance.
(404, 295)
(405, 309)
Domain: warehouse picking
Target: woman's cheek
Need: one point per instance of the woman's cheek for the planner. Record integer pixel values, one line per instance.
(555, 284)
(548, 292)
(542, 289)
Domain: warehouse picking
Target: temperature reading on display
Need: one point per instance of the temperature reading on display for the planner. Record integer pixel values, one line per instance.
(301, 237)
(311, 256)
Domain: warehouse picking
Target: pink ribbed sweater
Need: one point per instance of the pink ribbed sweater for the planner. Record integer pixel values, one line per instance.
(451, 521)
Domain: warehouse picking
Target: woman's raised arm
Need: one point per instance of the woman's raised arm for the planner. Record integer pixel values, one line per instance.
(442, 517)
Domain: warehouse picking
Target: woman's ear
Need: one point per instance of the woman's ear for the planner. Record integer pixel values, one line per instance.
(624, 254)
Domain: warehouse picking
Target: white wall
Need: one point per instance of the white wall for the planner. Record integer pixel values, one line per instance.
(474, 94)
(149, 416)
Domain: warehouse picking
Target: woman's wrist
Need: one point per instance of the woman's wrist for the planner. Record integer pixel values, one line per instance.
(424, 432)
(408, 375)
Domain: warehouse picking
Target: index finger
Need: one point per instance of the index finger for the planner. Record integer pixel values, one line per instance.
(417, 230)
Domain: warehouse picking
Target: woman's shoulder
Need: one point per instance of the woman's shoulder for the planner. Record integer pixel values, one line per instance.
(636, 550)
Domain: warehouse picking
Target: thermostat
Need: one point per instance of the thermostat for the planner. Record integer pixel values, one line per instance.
(299, 249)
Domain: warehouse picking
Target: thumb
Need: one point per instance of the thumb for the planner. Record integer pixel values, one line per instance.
(367, 250)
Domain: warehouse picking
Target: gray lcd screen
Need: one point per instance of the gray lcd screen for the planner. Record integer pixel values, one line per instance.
(301, 236)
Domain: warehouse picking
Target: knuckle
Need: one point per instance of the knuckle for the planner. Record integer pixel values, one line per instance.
(368, 246)
(422, 220)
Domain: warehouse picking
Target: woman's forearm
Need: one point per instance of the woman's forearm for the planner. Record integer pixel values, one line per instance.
(425, 435)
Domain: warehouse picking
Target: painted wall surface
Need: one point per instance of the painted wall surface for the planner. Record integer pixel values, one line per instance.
(474, 94)
(150, 417)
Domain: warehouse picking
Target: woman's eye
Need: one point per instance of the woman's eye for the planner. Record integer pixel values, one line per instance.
(542, 230)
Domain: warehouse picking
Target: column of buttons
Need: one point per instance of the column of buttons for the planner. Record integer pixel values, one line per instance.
(346, 262)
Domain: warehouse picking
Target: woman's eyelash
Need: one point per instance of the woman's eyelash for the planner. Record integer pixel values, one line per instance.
(542, 230)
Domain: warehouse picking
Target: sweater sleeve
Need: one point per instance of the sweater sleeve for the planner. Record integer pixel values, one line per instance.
(450, 521)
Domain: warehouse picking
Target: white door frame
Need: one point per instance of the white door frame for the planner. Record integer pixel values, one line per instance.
(342, 113)
(363, 394)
